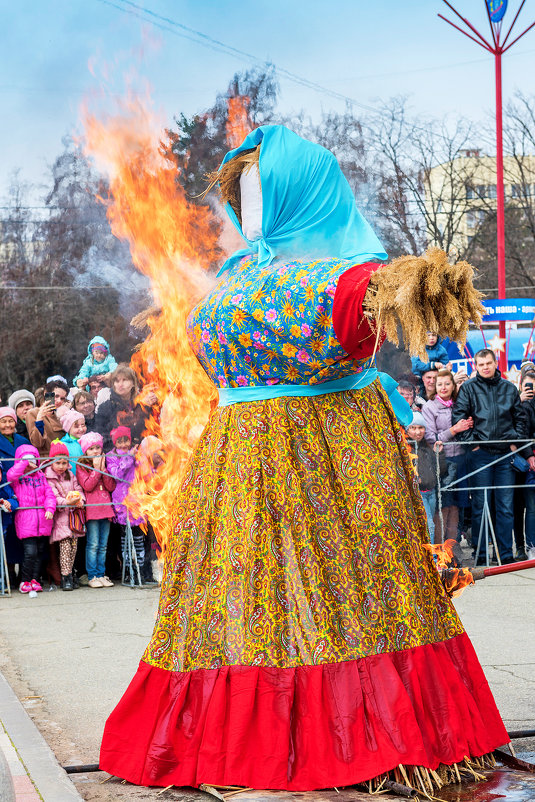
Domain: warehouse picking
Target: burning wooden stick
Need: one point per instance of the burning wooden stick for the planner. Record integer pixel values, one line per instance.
(455, 579)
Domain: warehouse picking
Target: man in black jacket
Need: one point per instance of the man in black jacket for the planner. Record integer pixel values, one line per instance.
(494, 405)
(527, 396)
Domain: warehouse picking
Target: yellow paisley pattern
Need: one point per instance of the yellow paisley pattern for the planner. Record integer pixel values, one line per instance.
(299, 540)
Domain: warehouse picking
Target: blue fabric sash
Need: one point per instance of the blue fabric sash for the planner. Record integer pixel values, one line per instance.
(239, 395)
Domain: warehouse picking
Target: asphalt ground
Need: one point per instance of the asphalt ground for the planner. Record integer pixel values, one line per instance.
(70, 656)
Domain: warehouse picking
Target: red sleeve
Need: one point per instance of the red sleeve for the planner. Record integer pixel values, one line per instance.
(351, 327)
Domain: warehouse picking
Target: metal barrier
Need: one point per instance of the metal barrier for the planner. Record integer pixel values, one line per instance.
(486, 529)
(5, 587)
(128, 554)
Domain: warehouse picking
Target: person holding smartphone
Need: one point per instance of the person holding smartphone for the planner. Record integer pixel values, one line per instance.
(42, 422)
(525, 496)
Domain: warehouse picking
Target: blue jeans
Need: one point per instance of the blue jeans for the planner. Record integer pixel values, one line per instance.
(499, 474)
(95, 547)
(429, 499)
(529, 496)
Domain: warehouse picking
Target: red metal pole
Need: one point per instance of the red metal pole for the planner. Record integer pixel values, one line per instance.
(500, 200)
(507, 569)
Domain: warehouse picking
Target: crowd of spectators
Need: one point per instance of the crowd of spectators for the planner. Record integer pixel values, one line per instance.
(479, 427)
(68, 454)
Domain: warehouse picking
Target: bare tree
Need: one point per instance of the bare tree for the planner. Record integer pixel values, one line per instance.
(424, 178)
(56, 292)
(199, 143)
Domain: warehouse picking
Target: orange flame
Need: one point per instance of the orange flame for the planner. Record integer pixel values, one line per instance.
(455, 579)
(238, 122)
(172, 241)
(443, 552)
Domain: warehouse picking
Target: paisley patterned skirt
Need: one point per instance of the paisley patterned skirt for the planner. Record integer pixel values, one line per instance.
(303, 638)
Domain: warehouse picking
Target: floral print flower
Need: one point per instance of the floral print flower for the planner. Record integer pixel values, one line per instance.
(289, 350)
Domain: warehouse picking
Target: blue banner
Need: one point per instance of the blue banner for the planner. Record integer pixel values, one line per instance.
(509, 309)
(497, 9)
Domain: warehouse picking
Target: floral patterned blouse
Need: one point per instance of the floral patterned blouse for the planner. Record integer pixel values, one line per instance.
(275, 324)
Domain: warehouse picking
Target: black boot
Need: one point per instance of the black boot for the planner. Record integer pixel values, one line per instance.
(75, 581)
(66, 582)
(146, 574)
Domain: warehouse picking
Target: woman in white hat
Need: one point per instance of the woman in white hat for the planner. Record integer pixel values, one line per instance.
(21, 401)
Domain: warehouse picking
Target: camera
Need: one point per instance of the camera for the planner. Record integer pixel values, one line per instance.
(529, 387)
(50, 398)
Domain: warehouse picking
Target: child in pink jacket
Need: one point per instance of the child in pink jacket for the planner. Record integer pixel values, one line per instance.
(67, 492)
(98, 489)
(31, 525)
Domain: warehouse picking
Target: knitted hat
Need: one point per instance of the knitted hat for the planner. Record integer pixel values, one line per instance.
(417, 420)
(58, 449)
(90, 439)
(70, 417)
(19, 396)
(61, 411)
(8, 412)
(120, 431)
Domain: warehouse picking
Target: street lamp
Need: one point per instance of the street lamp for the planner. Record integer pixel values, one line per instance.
(495, 12)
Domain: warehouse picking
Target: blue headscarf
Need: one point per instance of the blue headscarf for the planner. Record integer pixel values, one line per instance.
(308, 208)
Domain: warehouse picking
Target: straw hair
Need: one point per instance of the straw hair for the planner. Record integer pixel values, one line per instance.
(228, 178)
(424, 293)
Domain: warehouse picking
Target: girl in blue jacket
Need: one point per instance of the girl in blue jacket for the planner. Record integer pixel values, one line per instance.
(98, 362)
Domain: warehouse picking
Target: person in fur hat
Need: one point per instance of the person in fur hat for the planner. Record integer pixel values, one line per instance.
(22, 401)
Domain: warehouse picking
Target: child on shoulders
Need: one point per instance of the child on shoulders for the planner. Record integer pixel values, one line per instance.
(98, 362)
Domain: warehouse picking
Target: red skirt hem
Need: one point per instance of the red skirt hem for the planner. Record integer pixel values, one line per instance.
(303, 728)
